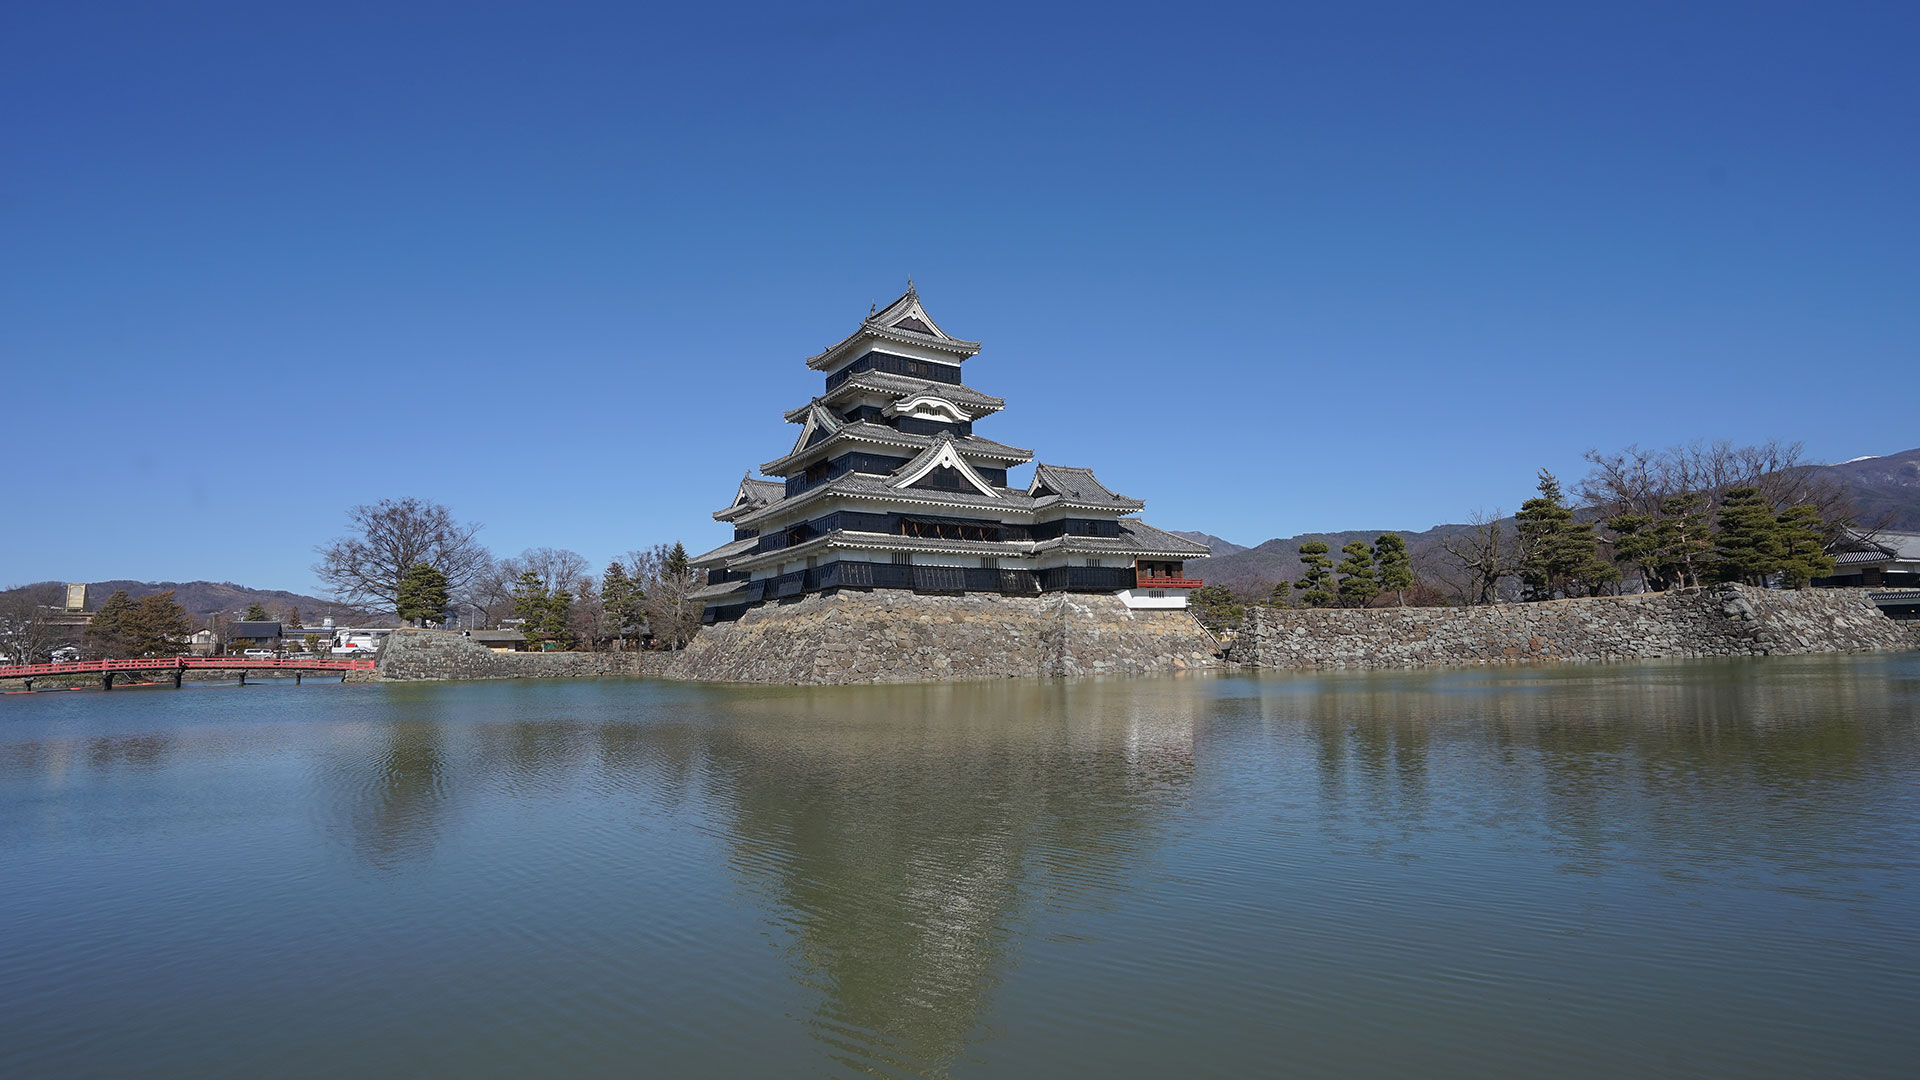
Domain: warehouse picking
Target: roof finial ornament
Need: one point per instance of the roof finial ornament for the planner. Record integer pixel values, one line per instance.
(909, 282)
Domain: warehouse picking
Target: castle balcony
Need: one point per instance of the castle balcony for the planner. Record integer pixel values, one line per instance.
(1148, 581)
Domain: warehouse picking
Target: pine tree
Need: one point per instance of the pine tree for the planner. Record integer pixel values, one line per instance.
(292, 620)
(1396, 565)
(622, 600)
(256, 613)
(1215, 607)
(1749, 543)
(423, 594)
(1692, 546)
(1803, 545)
(676, 560)
(542, 613)
(530, 607)
(1559, 554)
(1282, 594)
(157, 626)
(108, 631)
(1359, 582)
(1316, 585)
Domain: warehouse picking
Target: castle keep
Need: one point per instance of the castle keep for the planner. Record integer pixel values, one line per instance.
(887, 487)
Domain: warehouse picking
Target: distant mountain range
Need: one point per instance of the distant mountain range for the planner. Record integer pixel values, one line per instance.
(204, 598)
(1885, 492)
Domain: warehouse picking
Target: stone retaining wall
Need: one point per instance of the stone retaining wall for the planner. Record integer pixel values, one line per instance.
(888, 636)
(411, 655)
(1724, 620)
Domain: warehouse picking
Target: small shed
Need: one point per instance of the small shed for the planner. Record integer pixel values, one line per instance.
(499, 640)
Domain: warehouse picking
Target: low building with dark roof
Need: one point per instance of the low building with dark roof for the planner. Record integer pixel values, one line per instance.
(255, 634)
(887, 486)
(498, 640)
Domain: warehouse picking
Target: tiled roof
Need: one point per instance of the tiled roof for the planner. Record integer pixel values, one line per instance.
(1136, 538)
(1078, 486)
(714, 592)
(724, 552)
(900, 386)
(881, 434)
(751, 495)
(904, 320)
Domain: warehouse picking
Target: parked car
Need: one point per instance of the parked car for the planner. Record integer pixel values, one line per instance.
(258, 654)
(64, 656)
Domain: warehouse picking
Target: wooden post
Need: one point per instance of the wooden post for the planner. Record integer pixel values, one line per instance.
(296, 678)
(243, 676)
(106, 680)
(177, 672)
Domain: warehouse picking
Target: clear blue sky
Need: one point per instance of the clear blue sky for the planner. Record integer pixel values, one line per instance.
(1270, 268)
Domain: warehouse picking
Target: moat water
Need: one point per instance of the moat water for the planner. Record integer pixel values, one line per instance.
(1669, 869)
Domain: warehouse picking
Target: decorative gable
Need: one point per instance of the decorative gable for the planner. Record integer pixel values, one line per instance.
(817, 425)
(927, 471)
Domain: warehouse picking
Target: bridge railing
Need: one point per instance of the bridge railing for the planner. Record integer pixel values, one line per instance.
(168, 663)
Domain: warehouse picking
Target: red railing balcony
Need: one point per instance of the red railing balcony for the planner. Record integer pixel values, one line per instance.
(1146, 582)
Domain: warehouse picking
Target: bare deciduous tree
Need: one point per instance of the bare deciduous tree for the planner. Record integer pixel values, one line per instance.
(27, 632)
(366, 567)
(668, 581)
(1640, 481)
(1483, 557)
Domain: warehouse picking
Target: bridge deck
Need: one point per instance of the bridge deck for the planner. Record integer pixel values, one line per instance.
(178, 663)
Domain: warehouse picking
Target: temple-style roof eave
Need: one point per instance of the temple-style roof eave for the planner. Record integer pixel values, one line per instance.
(715, 592)
(901, 386)
(1137, 538)
(882, 325)
(866, 333)
(846, 487)
(865, 541)
(724, 552)
(971, 445)
(750, 495)
(1056, 502)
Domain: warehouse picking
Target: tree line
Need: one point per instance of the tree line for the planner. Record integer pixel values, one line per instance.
(1640, 520)
(1659, 520)
(414, 559)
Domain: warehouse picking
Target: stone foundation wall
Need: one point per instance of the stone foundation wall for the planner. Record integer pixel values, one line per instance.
(889, 636)
(439, 654)
(1725, 620)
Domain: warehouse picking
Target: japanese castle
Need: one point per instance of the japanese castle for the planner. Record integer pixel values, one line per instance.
(888, 487)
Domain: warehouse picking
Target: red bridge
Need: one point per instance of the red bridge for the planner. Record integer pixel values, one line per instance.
(178, 665)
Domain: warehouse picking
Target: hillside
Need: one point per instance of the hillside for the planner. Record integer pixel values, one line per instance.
(203, 598)
(1885, 491)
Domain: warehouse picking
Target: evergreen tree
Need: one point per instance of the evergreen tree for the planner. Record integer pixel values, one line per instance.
(158, 626)
(1803, 545)
(1215, 607)
(542, 613)
(623, 601)
(1282, 594)
(1359, 582)
(1316, 585)
(1396, 565)
(1670, 548)
(1749, 544)
(1691, 550)
(423, 594)
(108, 630)
(153, 626)
(1559, 555)
(256, 613)
(292, 621)
(675, 563)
